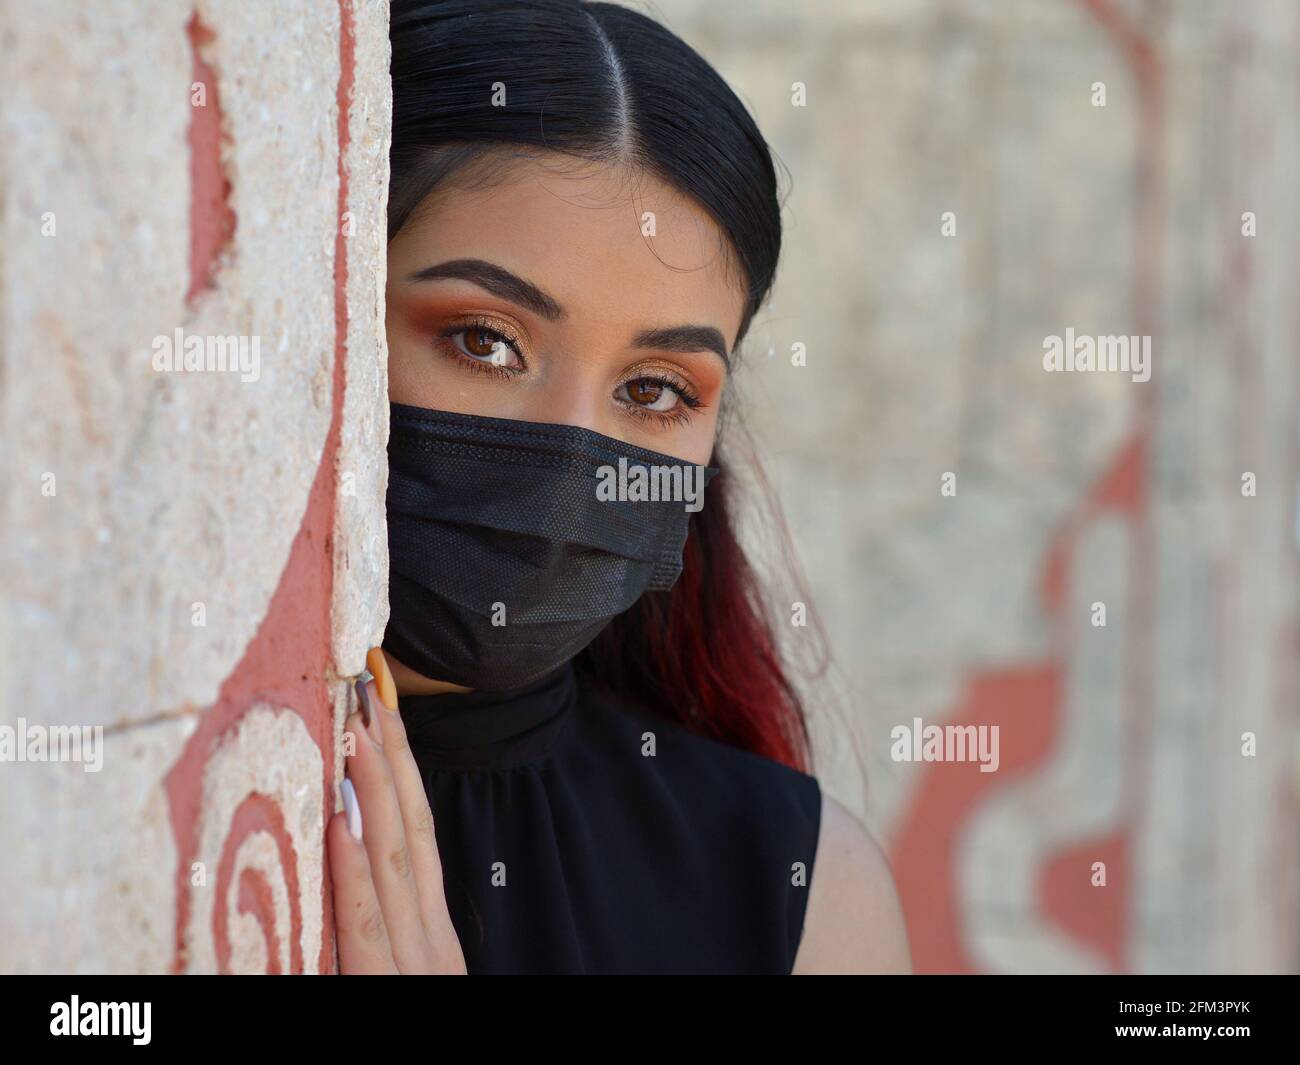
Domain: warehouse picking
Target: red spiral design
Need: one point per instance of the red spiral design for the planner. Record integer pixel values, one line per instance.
(258, 813)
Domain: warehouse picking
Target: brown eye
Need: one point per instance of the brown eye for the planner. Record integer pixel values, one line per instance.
(486, 345)
(644, 391)
(481, 343)
(650, 394)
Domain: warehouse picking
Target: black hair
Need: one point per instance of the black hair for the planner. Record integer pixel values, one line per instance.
(595, 81)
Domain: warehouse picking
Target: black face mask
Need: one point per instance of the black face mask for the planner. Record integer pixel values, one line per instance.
(513, 543)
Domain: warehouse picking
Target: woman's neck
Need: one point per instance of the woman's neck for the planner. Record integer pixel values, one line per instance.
(409, 682)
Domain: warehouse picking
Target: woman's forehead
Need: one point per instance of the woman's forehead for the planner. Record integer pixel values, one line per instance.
(602, 239)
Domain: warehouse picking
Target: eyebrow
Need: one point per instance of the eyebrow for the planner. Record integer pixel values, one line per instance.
(501, 282)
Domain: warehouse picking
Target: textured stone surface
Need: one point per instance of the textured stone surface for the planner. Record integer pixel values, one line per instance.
(172, 489)
(89, 861)
(199, 846)
(361, 545)
(270, 762)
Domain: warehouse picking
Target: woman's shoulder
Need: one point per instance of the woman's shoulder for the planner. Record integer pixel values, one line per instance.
(845, 913)
(841, 901)
(854, 922)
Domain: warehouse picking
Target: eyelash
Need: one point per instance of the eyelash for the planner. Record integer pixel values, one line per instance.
(679, 415)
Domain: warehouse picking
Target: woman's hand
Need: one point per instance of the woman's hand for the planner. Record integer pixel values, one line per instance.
(390, 913)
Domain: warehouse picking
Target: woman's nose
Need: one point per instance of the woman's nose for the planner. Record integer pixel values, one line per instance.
(580, 400)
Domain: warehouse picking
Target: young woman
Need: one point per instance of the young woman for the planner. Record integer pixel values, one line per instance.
(579, 752)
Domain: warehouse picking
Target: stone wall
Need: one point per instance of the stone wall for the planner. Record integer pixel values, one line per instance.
(194, 552)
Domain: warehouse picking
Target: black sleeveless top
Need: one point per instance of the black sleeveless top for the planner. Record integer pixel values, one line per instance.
(581, 834)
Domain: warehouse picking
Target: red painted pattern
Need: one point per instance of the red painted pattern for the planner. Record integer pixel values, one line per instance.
(288, 662)
(1027, 705)
(258, 813)
(212, 220)
(1029, 700)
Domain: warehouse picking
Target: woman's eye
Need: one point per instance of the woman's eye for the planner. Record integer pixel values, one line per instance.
(487, 346)
(650, 394)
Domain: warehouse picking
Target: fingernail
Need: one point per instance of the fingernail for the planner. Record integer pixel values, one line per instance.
(352, 808)
(363, 700)
(376, 727)
(378, 665)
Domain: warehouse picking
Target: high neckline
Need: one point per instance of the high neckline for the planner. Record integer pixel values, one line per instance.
(490, 729)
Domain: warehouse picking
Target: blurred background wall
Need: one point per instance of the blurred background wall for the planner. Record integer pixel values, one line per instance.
(1117, 167)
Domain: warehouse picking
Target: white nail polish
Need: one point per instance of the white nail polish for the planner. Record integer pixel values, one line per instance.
(352, 808)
